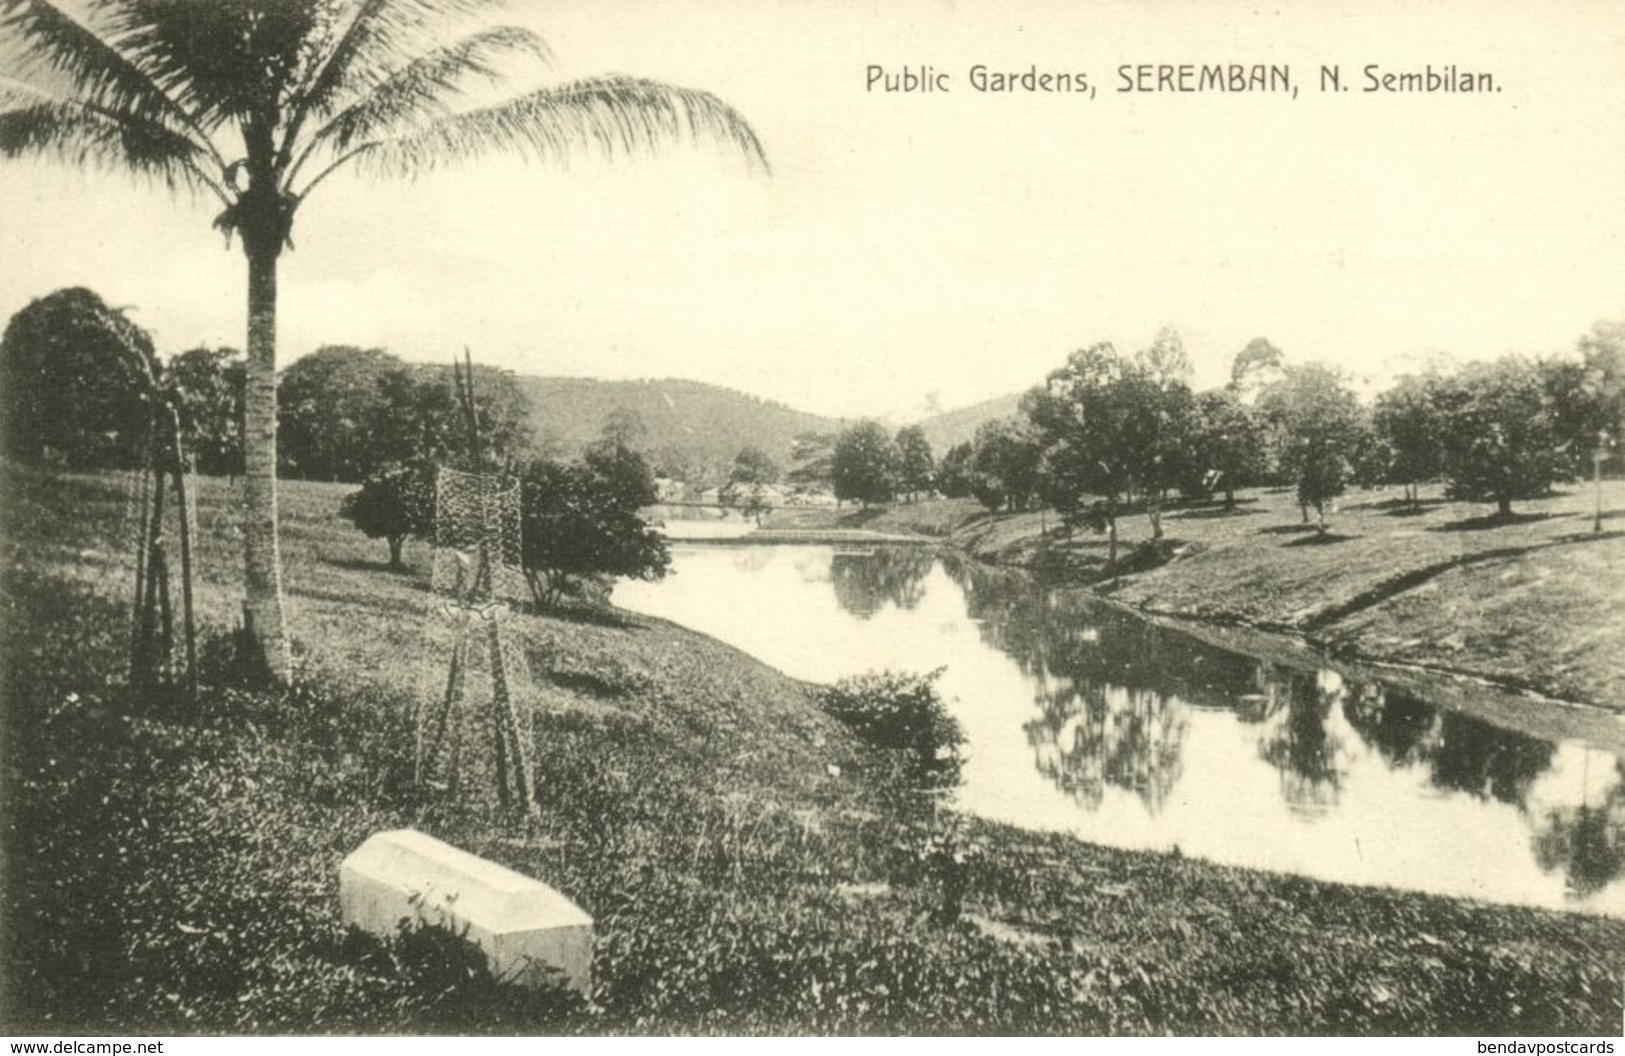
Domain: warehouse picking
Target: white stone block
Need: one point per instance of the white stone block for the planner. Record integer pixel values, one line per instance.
(531, 934)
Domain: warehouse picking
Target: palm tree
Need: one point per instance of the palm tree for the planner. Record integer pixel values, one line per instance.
(257, 102)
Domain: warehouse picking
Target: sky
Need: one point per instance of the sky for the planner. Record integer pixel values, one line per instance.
(912, 250)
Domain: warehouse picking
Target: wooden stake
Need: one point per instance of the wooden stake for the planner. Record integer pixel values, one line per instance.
(179, 468)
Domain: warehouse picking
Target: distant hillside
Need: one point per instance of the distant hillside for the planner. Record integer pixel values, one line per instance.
(953, 427)
(688, 422)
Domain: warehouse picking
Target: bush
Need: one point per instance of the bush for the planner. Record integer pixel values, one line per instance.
(902, 712)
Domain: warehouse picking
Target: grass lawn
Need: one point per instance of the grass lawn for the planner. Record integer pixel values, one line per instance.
(750, 866)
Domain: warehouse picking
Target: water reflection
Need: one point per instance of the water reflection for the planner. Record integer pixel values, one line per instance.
(1114, 693)
(1123, 738)
(1087, 718)
(1487, 762)
(1293, 738)
(1586, 842)
(865, 581)
(1402, 729)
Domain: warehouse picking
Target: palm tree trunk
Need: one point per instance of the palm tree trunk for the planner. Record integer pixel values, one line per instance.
(263, 619)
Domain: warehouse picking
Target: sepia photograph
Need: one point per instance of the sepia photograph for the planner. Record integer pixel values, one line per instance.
(739, 518)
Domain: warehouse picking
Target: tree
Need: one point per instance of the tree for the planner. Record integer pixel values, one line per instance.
(1498, 437)
(864, 466)
(208, 387)
(1159, 413)
(414, 413)
(954, 471)
(1587, 397)
(814, 456)
(579, 525)
(624, 475)
(1226, 444)
(1114, 427)
(915, 463)
(750, 482)
(1256, 368)
(328, 406)
(77, 381)
(1004, 464)
(1405, 420)
(1370, 458)
(1602, 353)
(1317, 422)
(625, 427)
(1066, 476)
(753, 466)
(257, 102)
(1087, 430)
(395, 502)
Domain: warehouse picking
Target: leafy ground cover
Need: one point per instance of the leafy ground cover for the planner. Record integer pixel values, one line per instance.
(751, 865)
(1534, 601)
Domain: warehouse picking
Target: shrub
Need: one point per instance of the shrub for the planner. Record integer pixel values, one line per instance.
(902, 712)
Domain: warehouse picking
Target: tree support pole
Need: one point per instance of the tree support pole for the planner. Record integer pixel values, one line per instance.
(184, 509)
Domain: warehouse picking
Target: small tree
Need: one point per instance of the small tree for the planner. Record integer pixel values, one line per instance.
(1226, 445)
(1602, 353)
(1406, 421)
(750, 482)
(581, 524)
(395, 502)
(208, 384)
(1498, 436)
(954, 471)
(1158, 414)
(813, 458)
(865, 464)
(916, 466)
(623, 477)
(1317, 422)
(1004, 464)
(1065, 478)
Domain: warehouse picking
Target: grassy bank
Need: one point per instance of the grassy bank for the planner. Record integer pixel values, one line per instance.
(1534, 602)
(749, 865)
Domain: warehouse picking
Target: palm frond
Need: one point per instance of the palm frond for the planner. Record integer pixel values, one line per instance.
(378, 38)
(84, 136)
(66, 58)
(608, 115)
(425, 88)
(224, 61)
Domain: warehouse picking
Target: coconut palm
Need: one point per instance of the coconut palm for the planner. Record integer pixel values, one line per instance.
(257, 102)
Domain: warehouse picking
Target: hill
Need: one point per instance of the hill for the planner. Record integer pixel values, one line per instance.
(687, 422)
(952, 427)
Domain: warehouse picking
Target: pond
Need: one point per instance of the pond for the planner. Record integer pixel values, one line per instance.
(1084, 718)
